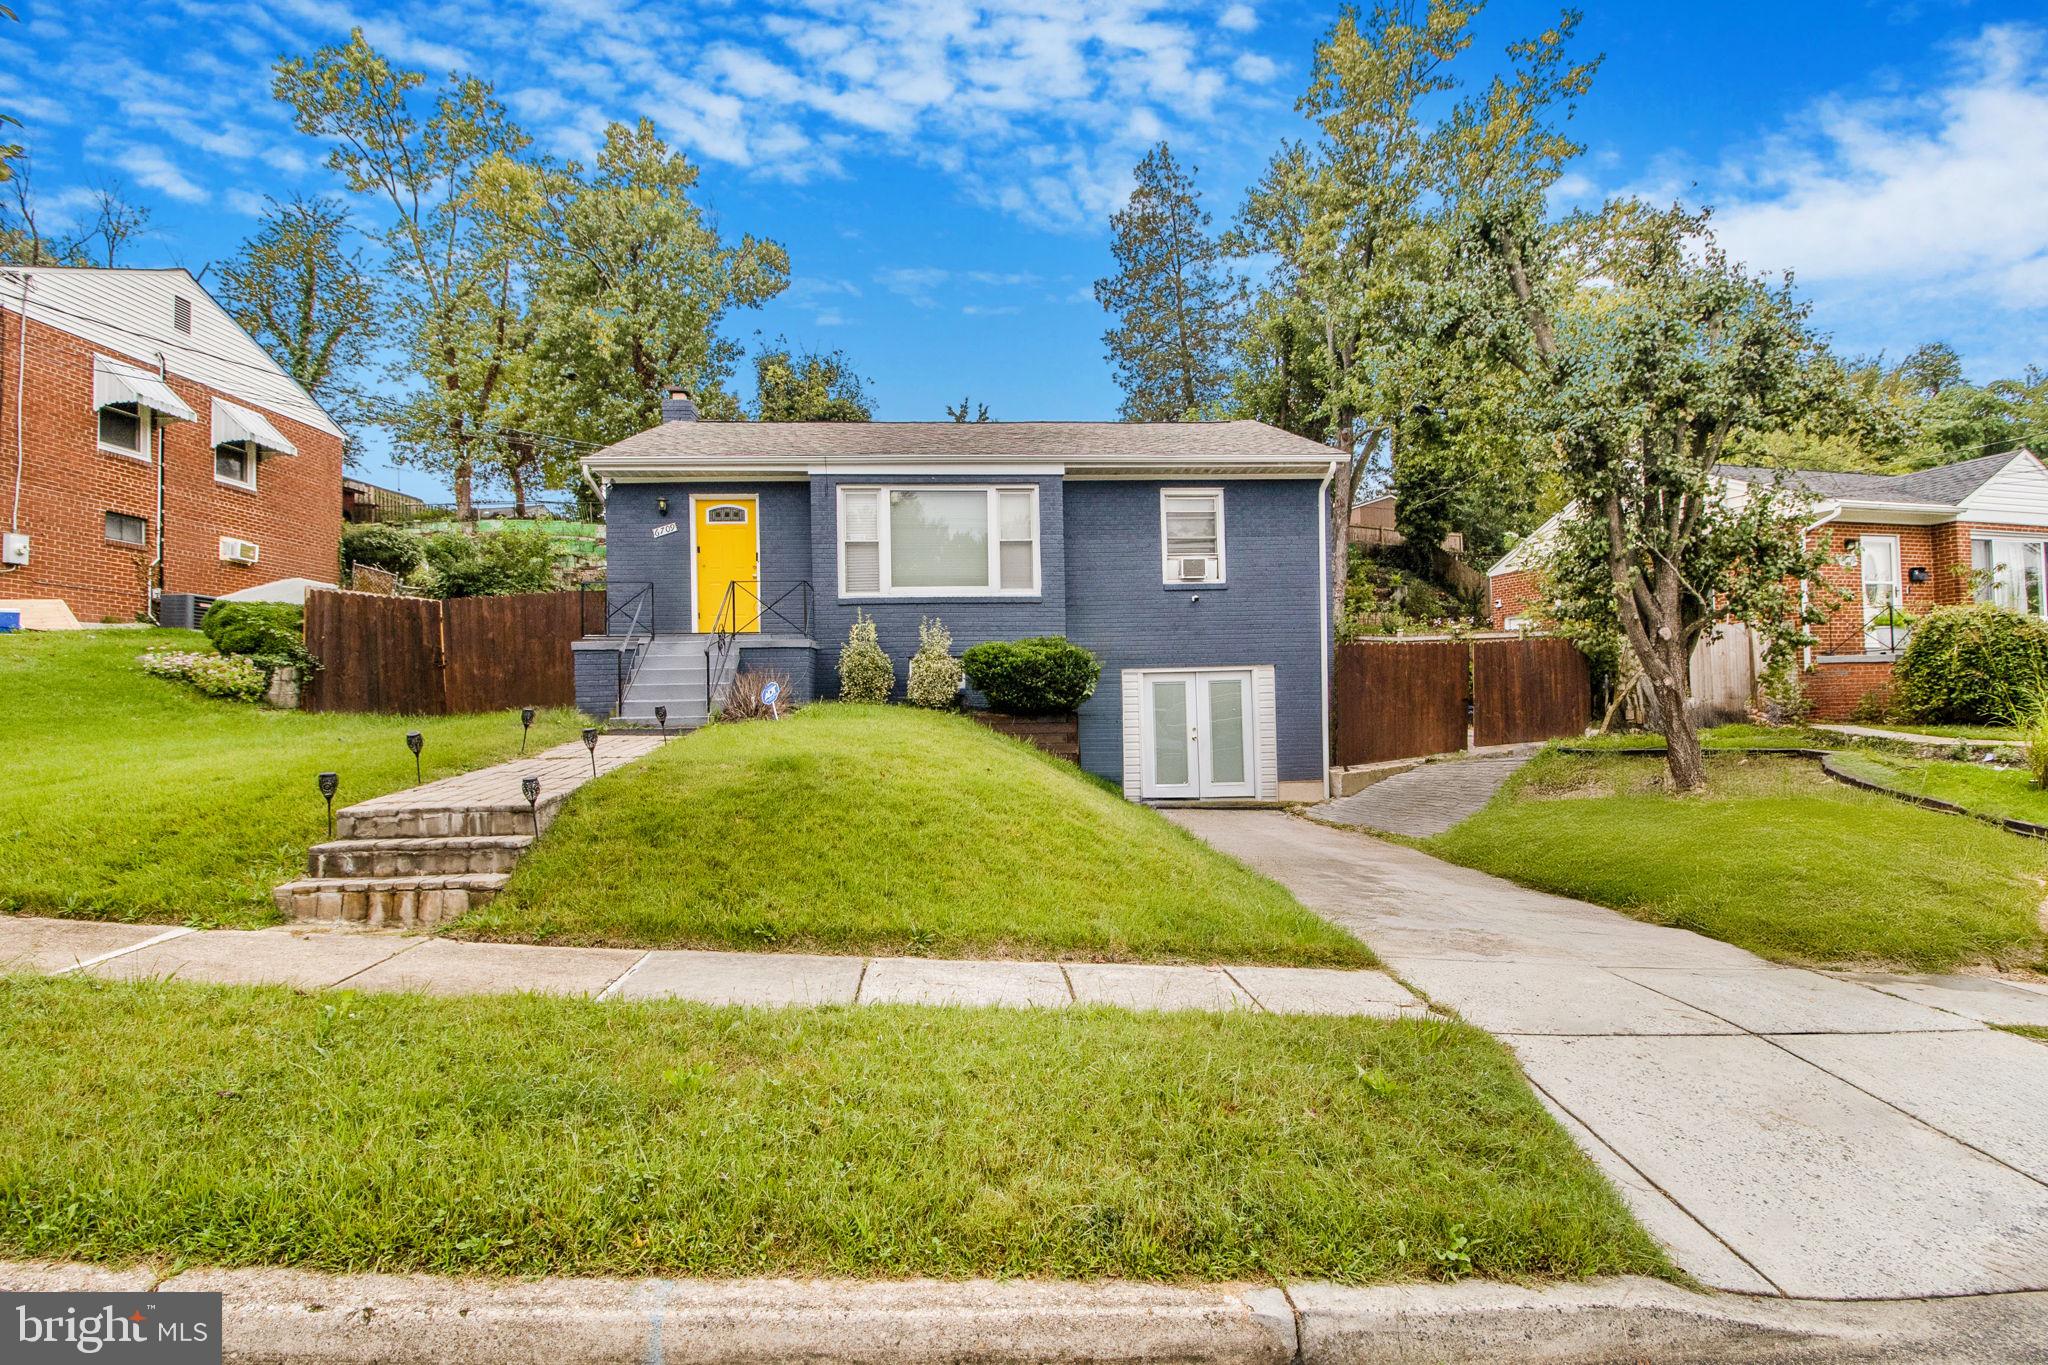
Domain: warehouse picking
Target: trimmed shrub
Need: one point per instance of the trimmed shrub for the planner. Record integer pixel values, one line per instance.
(1974, 665)
(251, 627)
(381, 547)
(934, 672)
(1047, 675)
(489, 564)
(865, 672)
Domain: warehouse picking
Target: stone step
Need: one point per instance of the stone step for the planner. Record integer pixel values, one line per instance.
(380, 902)
(676, 682)
(446, 823)
(416, 857)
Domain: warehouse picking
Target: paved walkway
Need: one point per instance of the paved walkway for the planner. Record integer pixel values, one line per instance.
(1781, 1131)
(561, 770)
(1913, 737)
(320, 959)
(1428, 799)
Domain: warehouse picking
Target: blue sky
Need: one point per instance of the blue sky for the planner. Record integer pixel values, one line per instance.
(942, 172)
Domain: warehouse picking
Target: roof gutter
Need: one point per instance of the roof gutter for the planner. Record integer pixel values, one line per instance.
(1323, 608)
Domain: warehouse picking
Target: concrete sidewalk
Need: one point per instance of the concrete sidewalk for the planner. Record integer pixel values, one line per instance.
(1430, 798)
(1780, 1131)
(320, 959)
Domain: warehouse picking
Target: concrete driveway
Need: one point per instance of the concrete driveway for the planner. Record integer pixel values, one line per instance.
(1780, 1131)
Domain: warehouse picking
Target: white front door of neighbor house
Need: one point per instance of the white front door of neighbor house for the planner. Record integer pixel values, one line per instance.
(1198, 734)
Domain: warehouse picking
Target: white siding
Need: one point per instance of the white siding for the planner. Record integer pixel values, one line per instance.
(1268, 733)
(1134, 734)
(129, 314)
(2017, 495)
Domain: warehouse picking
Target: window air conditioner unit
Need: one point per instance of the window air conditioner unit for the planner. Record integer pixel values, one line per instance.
(237, 551)
(1196, 568)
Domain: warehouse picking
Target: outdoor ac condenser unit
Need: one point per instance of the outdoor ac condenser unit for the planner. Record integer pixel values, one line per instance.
(1196, 569)
(238, 551)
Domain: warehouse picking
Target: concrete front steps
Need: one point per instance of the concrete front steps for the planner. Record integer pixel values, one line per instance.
(418, 858)
(673, 674)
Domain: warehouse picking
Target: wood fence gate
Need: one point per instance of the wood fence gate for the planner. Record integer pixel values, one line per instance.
(1407, 698)
(420, 656)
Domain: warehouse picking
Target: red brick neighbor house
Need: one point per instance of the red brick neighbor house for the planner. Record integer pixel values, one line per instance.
(152, 446)
(1977, 529)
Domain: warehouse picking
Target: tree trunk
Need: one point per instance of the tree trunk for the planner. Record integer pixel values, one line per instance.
(1682, 756)
(465, 508)
(519, 492)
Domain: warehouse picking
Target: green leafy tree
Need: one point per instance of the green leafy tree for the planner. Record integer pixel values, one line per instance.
(793, 385)
(455, 298)
(1931, 368)
(1173, 295)
(302, 291)
(9, 151)
(968, 411)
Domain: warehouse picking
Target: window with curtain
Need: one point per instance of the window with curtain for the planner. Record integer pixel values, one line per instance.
(2009, 573)
(938, 540)
(1191, 524)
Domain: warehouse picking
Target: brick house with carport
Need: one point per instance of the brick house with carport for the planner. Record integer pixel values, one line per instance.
(1973, 530)
(151, 443)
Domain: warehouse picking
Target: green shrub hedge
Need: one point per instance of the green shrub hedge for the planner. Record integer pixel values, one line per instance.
(1974, 665)
(382, 547)
(1047, 675)
(251, 627)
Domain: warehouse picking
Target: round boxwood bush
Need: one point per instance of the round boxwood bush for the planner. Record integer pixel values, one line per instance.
(1974, 665)
(252, 627)
(1047, 675)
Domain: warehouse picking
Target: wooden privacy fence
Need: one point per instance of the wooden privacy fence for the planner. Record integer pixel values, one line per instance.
(1407, 698)
(420, 656)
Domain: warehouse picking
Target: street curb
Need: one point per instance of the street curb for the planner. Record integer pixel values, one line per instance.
(287, 1316)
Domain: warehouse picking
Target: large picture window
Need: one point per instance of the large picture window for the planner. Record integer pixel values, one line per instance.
(938, 540)
(2009, 573)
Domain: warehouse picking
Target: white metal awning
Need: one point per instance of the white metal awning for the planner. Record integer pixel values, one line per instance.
(233, 425)
(116, 381)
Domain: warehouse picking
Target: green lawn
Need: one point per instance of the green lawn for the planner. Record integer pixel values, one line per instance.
(886, 829)
(1951, 731)
(529, 1135)
(1727, 737)
(128, 797)
(1775, 857)
(1978, 787)
(2033, 1031)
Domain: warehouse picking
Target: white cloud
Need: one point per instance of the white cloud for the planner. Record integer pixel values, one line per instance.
(1943, 191)
(916, 283)
(246, 202)
(1255, 68)
(1237, 19)
(149, 167)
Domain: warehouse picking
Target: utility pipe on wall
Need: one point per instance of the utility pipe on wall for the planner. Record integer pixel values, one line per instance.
(152, 590)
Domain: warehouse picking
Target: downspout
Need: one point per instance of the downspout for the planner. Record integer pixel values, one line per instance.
(1806, 584)
(153, 591)
(20, 398)
(1323, 609)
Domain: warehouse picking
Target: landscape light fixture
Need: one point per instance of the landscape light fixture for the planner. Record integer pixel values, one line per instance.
(661, 719)
(415, 741)
(661, 506)
(525, 724)
(590, 743)
(530, 788)
(329, 782)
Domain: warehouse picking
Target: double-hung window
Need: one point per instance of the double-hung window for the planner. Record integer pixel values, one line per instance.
(2009, 573)
(235, 462)
(1884, 625)
(124, 430)
(1191, 533)
(938, 540)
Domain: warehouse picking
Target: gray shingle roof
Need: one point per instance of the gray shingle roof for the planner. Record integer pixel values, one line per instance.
(1944, 484)
(1081, 443)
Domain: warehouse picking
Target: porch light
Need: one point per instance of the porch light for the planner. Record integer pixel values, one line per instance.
(529, 787)
(661, 719)
(661, 506)
(525, 724)
(590, 743)
(415, 741)
(329, 783)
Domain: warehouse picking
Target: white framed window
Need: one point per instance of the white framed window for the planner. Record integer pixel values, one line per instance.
(2009, 573)
(938, 540)
(124, 430)
(1884, 627)
(234, 462)
(1191, 534)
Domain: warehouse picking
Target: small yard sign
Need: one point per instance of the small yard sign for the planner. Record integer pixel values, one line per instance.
(667, 528)
(771, 693)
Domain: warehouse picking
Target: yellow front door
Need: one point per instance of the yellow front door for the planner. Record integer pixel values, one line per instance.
(728, 554)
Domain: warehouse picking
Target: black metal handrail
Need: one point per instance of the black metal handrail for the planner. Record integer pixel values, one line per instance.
(637, 601)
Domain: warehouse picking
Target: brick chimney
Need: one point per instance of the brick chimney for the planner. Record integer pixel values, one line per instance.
(676, 405)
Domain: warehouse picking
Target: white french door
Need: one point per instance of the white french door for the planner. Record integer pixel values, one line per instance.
(1199, 731)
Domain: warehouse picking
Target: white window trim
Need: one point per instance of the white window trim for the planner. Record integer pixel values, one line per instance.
(1166, 574)
(145, 424)
(219, 478)
(995, 541)
(2037, 609)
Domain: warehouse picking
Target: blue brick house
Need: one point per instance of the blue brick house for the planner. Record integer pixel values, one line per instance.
(1189, 557)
